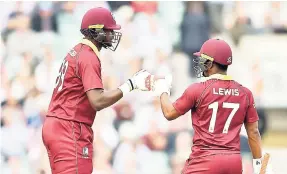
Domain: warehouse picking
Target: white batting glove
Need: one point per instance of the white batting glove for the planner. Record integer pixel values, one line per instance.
(257, 164)
(162, 85)
(140, 80)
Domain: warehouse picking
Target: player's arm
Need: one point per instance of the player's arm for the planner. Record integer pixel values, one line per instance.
(172, 110)
(90, 73)
(254, 141)
(100, 99)
(169, 112)
(254, 138)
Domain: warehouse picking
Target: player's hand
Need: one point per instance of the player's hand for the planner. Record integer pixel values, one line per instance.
(162, 85)
(257, 164)
(141, 80)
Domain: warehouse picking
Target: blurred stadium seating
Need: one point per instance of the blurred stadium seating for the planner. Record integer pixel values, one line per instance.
(158, 36)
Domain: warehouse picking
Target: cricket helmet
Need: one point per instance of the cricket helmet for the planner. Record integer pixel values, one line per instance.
(99, 24)
(213, 50)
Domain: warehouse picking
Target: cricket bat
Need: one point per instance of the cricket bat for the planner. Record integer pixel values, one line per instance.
(264, 163)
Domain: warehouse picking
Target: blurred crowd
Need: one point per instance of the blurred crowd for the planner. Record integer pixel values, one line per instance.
(132, 136)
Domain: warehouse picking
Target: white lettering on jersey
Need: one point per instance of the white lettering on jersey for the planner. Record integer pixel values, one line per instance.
(223, 91)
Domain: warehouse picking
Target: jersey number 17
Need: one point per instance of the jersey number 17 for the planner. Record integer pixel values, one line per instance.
(214, 107)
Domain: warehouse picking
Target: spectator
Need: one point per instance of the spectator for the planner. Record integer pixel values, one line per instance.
(15, 136)
(215, 9)
(11, 26)
(115, 5)
(278, 17)
(195, 30)
(125, 155)
(44, 18)
(124, 113)
(152, 36)
(183, 142)
(47, 71)
(171, 19)
(22, 33)
(68, 27)
(242, 26)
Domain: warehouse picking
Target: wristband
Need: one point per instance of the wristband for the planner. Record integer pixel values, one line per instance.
(132, 85)
(126, 87)
(257, 165)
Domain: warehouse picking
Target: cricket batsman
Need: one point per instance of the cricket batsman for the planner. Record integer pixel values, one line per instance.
(219, 107)
(79, 94)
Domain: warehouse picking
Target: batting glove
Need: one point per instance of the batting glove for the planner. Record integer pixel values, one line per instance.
(162, 85)
(141, 81)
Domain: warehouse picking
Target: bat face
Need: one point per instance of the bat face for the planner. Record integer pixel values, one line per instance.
(264, 163)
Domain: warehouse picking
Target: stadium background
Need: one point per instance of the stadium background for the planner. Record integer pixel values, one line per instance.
(133, 136)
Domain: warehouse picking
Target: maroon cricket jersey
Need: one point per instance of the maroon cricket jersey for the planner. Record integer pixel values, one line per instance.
(79, 73)
(219, 107)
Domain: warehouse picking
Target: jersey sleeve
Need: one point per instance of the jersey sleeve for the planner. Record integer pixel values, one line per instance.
(188, 99)
(251, 114)
(90, 72)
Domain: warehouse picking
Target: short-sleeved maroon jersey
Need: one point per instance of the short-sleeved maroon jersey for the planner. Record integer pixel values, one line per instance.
(79, 72)
(219, 107)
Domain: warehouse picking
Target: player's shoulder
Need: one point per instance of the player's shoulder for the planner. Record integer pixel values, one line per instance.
(195, 88)
(87, 53)
(203, 84)
(73, 53)
(243, 88)
(87, 56)
(196, 85)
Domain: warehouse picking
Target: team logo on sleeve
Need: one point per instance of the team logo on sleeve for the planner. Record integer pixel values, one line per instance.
(85, 152)
(72, 52)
